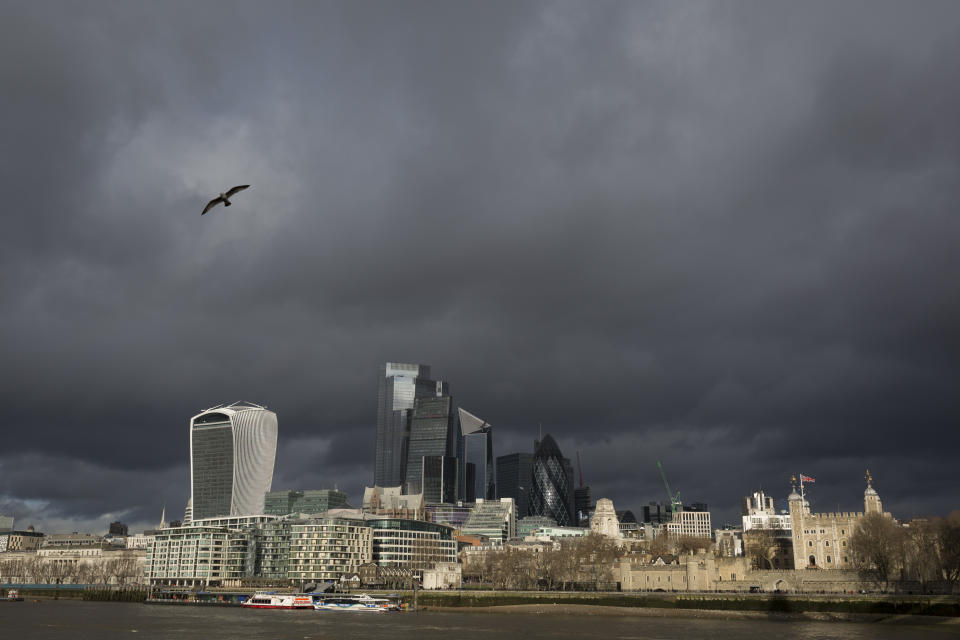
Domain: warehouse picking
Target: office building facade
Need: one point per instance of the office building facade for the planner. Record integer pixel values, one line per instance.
(400, 384)
(515, 480)
(281, 503)
(433, 432)
(411, 544)
(232, 454)
(440, 480)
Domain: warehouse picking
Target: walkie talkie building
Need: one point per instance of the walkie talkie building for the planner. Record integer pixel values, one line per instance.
(232, 453)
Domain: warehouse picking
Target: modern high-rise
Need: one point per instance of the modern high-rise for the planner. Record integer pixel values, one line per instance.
(433, 432)
(439, 479)
(232, 453)
(552, 494)
(476, 448)
(515, 480)
(399, 385)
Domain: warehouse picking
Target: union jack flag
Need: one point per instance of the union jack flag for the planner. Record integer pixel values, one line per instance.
(804, 478)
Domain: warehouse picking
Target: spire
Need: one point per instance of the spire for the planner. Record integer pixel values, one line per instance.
(163, 516)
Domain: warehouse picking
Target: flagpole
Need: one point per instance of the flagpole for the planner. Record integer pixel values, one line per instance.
(801, 487)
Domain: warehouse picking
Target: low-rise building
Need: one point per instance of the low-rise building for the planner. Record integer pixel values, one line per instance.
(447, 575)
(555, 533)
(20, 541)
(393, 503)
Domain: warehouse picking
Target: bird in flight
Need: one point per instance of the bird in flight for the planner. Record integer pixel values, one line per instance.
(224, 197)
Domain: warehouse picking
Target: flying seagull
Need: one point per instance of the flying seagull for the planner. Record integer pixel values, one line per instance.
(224, 197)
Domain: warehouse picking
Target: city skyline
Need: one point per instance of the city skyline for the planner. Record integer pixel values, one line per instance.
(719, 236)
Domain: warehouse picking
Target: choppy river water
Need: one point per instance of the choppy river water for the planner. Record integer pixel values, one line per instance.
(105, 620)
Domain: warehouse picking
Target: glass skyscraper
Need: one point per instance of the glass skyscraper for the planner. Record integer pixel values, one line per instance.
(515, 480)
(433, 432)
(399, 385)
(232, 453)
(552, 494)
(476, 448)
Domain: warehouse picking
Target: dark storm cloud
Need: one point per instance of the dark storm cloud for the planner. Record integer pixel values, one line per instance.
(722, 236)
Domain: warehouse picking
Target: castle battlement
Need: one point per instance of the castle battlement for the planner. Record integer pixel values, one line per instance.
(832, 516)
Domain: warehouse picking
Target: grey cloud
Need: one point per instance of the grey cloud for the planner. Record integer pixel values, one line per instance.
(713, 221)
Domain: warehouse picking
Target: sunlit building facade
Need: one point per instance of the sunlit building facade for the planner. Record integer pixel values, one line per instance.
(232, 454)
(433, 432)
(400, 384)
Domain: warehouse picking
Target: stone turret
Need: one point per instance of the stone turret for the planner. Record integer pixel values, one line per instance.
(871, 500)
(604, 520)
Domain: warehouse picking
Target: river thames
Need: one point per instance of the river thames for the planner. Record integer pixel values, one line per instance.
(98, 620)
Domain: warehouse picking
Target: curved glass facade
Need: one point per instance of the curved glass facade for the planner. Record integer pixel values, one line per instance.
(232, 453)
(552, 484)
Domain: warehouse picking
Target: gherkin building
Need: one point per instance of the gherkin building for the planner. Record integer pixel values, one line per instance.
(552, 491)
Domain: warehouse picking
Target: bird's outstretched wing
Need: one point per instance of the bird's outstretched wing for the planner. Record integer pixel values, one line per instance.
(212, 204)
(237, 189)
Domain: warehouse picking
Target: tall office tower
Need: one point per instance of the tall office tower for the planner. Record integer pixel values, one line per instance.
(582, 505)
(515, 480)
(552, 494)
(439, 479)
(433, 432)
(232, 452)
(476, 448)
(400, 384)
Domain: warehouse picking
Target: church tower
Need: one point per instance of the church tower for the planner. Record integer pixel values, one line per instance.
(871, 500)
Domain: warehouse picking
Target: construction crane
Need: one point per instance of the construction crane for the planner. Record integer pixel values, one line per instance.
(675, 505)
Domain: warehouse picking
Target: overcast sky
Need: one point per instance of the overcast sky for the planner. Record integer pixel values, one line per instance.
(723, 235)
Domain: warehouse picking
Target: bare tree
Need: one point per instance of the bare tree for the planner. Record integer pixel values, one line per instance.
(40, 569)
(948, 548)
(692, 544)
(120, 569)
(59, 570)
(100, 571)
(661, 545)
(759, 546)
(595, 555)
(920, 552)
(877, 548)
(84, 573)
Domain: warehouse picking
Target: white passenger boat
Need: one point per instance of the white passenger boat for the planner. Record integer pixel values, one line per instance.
(361, 602)
(278, 601)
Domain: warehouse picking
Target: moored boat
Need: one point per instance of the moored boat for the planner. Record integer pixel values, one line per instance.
(361, 602)
(278, 601)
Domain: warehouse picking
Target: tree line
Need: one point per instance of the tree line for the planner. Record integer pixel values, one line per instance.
(924, 551)
(22, 570)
